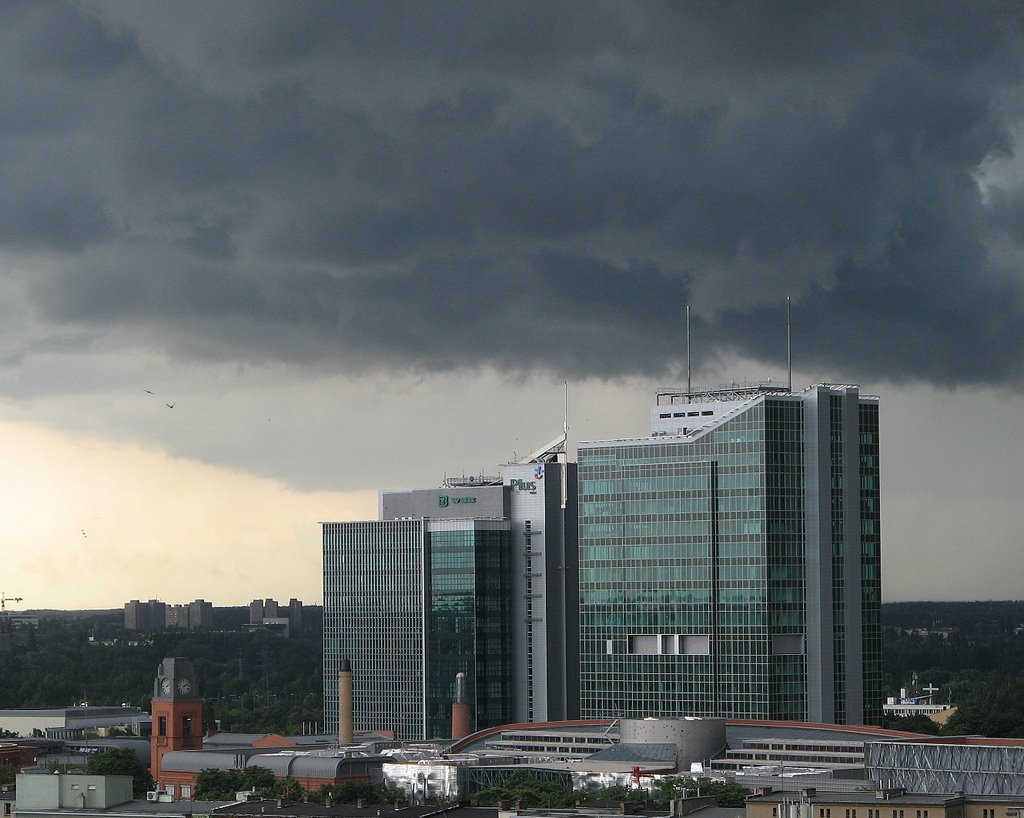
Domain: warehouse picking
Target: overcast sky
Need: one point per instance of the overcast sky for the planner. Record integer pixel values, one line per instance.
(258, 260)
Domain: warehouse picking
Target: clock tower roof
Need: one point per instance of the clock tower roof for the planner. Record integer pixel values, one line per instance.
(176, 679)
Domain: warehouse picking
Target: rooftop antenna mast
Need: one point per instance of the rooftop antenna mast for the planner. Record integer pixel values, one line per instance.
(565, 445)
(565, 409)
(688, 387)
(789, 340)
(5, 620)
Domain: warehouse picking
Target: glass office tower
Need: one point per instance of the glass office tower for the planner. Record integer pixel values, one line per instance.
(729, 563)
(469, 622)
(411, 603)
(477, 576)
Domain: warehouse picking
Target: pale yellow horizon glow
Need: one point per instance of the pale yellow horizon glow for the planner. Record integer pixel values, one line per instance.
(90, 523)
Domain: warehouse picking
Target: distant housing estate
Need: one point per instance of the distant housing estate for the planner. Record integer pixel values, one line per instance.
(157, 616)
(268, 613)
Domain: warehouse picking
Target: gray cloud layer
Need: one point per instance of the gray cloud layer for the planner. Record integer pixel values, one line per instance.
(353, 185)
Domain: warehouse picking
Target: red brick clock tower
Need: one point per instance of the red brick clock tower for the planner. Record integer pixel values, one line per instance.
(177, 712)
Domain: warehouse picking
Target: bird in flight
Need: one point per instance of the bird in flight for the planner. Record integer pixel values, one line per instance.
(169, 405)
(149, 391)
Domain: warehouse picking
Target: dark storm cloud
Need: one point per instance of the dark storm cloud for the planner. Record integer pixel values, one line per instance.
(526, 186)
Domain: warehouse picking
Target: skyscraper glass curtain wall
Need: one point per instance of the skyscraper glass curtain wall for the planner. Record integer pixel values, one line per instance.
(374, 617)
(412, 603)
(732, 568)
(469, 627)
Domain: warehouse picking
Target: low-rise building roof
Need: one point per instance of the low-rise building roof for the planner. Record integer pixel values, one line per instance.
(270, 809)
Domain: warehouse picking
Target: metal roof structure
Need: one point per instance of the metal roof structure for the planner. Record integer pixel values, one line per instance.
(271, 809)
(975, 767)
(195, 761)
(250, 739)
(664, 754)
(310, 765)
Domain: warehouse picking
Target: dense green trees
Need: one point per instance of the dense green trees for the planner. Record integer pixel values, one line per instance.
(993, 706)
(728, 795)
(973, 652)
(539, 793)
(252, 681)
(260, 682)
(917, 723)
(521, 785)
(222, 785)
(672, 787)
(117, 761)
(349, 792)
(618, 792)
(968, 617)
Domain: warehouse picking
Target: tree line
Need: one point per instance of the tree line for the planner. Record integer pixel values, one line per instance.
(973, 652)
(222, 785)
(251, 681)
(521, 785)
(261, 682)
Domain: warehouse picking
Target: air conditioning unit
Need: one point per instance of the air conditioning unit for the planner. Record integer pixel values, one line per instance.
(153, 795)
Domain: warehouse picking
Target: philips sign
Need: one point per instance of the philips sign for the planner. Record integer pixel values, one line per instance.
(523, 485)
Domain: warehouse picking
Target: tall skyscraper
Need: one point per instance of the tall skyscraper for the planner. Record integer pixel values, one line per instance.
(475, 577)
(729, 563)
(411, 603)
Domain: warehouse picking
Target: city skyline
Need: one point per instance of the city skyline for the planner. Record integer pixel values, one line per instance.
(259, 260)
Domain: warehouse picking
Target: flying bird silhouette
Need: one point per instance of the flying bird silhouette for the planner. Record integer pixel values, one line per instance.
(169, 405)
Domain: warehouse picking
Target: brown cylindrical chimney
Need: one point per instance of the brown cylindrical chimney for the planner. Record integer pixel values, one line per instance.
(345, 703)
(460, 708)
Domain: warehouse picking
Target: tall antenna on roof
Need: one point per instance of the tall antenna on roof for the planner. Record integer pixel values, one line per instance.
(789, 339)
(688, 389)
(565, 414)
(564, 469)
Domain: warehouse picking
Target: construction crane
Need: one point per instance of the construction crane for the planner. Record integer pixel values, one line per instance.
(5, 620)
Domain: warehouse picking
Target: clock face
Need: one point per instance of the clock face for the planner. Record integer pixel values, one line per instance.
(165, 686)
(184, 686)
